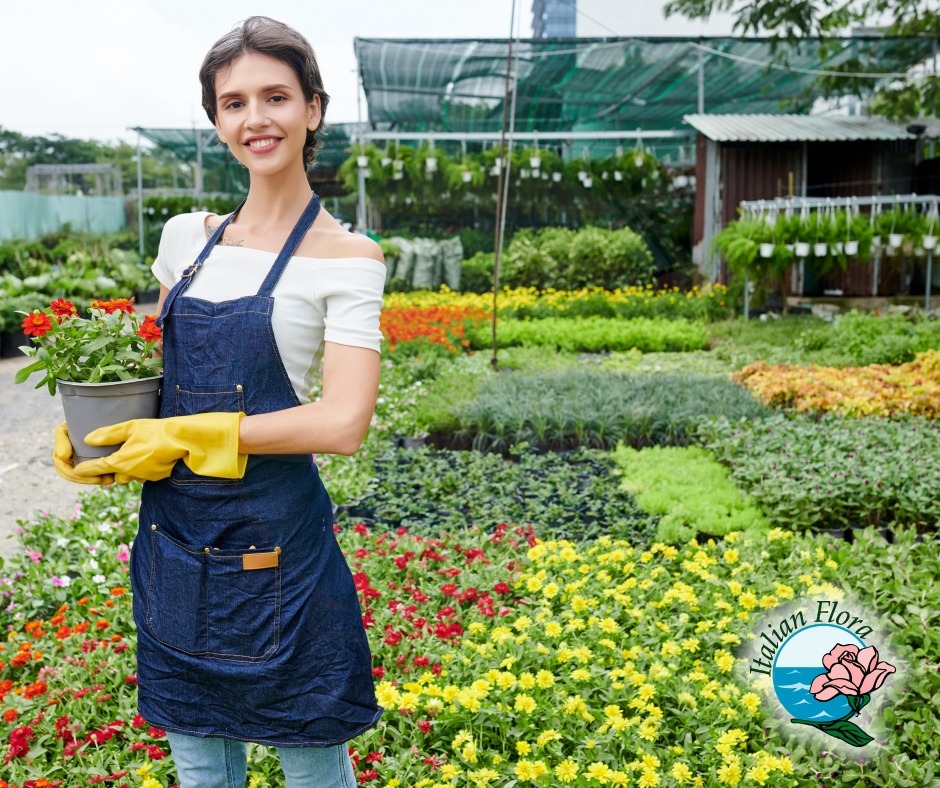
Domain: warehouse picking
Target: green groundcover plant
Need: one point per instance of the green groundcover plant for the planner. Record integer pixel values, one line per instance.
(689, 490)
(501, 660)
(834, 471)
(573, 495)
(595, 334)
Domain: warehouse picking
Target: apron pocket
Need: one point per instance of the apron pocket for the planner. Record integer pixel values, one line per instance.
(214, 603)
(244, 604)
(192, 399)
(177, 608)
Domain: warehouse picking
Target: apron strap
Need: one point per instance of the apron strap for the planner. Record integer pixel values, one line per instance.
(304, 223)
(187, 275)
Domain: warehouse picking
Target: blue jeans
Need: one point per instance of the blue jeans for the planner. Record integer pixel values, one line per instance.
(222, 763)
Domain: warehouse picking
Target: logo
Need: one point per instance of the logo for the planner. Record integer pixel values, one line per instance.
(821, 668)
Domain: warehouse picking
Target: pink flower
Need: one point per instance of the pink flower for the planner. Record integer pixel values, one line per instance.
(35, 556)
(123, 553)
(850, 672)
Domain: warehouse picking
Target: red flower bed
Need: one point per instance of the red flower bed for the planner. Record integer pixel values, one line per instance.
(439, 325)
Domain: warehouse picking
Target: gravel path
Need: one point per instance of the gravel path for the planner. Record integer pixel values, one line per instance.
(28, 482)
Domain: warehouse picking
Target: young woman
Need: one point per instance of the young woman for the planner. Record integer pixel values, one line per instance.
(249, 627)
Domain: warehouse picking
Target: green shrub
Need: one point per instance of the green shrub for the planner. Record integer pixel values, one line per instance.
(834, 471)
(556, 257)
(476, 273)
(689, 490)
(597, 409)
(574, 496)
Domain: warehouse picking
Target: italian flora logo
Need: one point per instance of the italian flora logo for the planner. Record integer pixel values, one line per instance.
(822, 670)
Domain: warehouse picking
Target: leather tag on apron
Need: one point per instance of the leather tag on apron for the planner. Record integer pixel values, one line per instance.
(260, 560)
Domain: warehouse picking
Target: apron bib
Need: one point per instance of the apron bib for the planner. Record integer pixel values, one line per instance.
(248, 622)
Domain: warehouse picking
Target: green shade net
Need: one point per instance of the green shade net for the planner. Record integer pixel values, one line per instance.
(609, 84)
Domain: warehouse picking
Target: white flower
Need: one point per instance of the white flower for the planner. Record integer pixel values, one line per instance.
(105, 528)
(98, 579)
(62, 542)
(93, 564)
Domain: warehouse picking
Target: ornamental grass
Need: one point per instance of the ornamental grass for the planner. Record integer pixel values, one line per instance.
(876, 390)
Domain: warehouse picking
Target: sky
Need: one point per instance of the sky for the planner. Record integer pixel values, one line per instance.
(92, 69)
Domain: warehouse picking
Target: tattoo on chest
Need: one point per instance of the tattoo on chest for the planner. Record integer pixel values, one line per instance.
(224, 241)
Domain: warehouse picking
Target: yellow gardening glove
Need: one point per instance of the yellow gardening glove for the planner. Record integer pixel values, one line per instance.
(206, 442)
(63, 462)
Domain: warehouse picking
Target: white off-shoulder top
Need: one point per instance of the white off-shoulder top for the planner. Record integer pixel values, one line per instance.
(316, 300)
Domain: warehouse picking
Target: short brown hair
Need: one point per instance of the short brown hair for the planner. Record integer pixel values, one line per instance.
(268, 37)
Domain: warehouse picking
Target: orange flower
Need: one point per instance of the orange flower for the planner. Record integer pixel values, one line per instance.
(37, 324)
(118, 591)
(63, 308)
(149, 329)
(114, 305)
(10, 715)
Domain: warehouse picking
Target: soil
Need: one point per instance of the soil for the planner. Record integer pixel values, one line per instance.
(28, 481)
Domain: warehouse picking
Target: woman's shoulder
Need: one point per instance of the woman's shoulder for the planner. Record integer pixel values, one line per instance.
(186, 227)
(336, 242)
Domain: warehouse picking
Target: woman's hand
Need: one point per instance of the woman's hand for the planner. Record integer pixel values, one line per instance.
(337, 423)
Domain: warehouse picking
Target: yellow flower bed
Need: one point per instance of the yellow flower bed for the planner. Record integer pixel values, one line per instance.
(875, 390)
(640, 300)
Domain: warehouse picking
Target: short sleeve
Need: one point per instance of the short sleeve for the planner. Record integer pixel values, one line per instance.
(353, 303)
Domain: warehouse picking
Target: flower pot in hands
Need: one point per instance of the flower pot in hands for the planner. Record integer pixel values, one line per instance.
(89, 406)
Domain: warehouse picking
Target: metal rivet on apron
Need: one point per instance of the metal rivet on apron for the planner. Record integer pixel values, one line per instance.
(177, 387)
(206, 550)
(252, 548)
(238, 388)
(277, 550)
(153, 527)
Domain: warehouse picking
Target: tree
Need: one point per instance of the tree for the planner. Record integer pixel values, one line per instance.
(791, 20)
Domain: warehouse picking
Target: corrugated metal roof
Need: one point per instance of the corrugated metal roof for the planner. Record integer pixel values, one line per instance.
(804, 128)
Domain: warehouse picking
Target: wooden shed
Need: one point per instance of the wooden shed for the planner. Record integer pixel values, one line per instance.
(757, 157)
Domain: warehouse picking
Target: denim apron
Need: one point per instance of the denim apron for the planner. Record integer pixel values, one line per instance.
(248, 622)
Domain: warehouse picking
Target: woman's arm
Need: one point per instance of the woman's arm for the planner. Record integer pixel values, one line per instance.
(336, 424)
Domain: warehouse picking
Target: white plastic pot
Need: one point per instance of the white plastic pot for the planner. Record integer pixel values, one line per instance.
(895, 239)
(556, 176)
(362, 161)
(801, 248)
(851, 247)
(820, 249)
(766, 250)
(929, 241)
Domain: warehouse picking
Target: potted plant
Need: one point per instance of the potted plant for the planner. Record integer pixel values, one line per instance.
(106, 365)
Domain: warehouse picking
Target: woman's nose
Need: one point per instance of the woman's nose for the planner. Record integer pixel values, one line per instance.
(257, 113)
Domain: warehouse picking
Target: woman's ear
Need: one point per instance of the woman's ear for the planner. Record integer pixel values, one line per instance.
(314, 114)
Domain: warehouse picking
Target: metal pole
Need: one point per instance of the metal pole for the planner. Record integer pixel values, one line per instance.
(198, 183)
(701, 81)
(747, 296)
(498, 244)
(140, 198)
(928, 283)
(361, 203)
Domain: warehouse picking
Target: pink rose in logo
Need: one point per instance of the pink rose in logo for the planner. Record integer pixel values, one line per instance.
(851, 672)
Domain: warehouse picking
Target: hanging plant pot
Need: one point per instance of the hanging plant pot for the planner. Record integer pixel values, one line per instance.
(851, 247)
(820, 249)
(895, 240)
(801, 248)
(929, 241)
(766, 250)
(89, 406)
(876, 242)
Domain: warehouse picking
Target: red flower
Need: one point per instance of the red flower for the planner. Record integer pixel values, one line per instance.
(501, 588)
(10, 715)
(37, 324)
(149, 330)
(63, 308)
(368, 774)
(424, 726)
(114, 305)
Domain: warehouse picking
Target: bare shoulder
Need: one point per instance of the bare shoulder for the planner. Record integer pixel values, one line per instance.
(335, 241)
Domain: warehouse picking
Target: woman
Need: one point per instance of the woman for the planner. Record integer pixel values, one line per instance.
(249, 627)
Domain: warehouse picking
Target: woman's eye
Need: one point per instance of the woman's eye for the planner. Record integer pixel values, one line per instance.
(278, 98)
(233, 105)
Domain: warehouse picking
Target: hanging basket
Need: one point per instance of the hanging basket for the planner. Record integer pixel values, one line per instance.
(820, 249)
(929, 242)
(801, 248)
(851, 248)
(766, 250)
(895, 240)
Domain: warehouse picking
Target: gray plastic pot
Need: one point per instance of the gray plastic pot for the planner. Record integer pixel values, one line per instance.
(89, 406)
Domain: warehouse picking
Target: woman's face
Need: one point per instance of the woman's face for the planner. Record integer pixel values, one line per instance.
(262, 114)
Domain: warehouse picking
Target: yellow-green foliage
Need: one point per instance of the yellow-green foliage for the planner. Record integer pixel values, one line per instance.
(689, 489)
